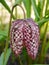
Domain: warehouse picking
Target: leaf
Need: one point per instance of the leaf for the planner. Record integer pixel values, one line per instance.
(47, 12)
(3, 32)
(46, 9)
(35, 9)
(1, 59)
(39, 8)
(42, 4)
(7, 57)
(6, 6)
(27, 4)
(18, 1)
(42, 21)
(47, 46)
(3, 35)
(42, 52)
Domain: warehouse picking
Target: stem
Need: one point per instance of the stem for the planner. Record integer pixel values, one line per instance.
(44, 40)
(20, 7)
(20, 60)
(42, 7)
(42, 56)
(8, 37)
(6, 47)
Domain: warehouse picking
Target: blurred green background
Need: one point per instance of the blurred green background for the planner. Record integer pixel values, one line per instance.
(38, 10)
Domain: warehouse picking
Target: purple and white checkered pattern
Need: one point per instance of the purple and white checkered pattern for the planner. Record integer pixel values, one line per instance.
(25, 33)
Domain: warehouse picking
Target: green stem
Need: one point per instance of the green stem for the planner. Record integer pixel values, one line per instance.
(42, 55)
(6, 47)
(8, 37)
(42, 7)
(44, 40)
(21, 8)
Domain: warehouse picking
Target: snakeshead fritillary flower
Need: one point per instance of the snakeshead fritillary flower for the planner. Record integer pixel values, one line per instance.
(24, 32)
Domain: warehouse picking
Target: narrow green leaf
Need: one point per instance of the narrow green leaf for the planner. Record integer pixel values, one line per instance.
(47, 13)
(47, 10)
(3, 33)
(7, 57)
(42, 4)
(39, 8)
(1, 37)
(27, 4)
(42, 53)
(47, 46)
(1, 59)
(35, 9)
(42, 21)
(6, 6)
(18, 1)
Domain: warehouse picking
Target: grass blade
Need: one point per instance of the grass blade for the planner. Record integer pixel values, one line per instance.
(18, 1)
(42, 21)
(47, 46)
(6, 6)
(42, 53)
(35, 9)
(27, 4)
(7, 57)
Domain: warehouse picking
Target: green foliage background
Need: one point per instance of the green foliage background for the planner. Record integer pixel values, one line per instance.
(41, 20)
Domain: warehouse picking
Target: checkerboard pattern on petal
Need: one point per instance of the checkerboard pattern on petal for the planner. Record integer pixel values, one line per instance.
(25, 32)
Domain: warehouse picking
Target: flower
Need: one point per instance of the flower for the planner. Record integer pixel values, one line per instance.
(25, 32)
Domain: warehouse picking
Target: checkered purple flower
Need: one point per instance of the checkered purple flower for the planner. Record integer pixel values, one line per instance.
(24, 32)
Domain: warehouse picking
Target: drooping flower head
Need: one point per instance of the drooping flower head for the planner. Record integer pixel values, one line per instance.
(24, 32)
